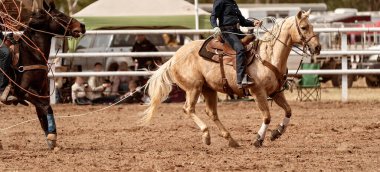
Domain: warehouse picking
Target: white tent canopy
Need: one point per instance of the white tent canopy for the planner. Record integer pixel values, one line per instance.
(117, 8)
(152, 12)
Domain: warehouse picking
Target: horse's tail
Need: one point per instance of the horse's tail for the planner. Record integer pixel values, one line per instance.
(159, 86)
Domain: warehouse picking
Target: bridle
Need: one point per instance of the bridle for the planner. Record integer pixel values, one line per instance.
(304, 40)
(34, 46)
(60, 21)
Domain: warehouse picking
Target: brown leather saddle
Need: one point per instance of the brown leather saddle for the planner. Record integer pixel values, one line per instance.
(216, 50)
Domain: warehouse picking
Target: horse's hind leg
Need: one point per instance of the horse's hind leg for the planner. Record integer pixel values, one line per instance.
(281, 101)
(47, 121)
(211, 98)
(189, 108)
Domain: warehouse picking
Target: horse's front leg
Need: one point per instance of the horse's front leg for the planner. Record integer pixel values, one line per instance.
(47, 121)
(43, 109)
(281, 101)
(262, 104)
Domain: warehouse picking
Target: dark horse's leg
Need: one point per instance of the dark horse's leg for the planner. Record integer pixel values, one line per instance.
(43, 108)
(47, 121)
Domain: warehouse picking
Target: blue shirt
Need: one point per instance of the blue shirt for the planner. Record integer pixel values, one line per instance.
(228, 13)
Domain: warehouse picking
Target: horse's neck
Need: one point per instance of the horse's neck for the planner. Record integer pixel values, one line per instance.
(38, 45)
(278, 52)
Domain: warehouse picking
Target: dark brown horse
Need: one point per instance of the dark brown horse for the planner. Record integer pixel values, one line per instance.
(32, 65)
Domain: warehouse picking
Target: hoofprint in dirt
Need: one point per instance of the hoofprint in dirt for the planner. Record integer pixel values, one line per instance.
(322, 136)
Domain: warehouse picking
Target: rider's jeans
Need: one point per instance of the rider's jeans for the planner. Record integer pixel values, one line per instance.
(5, 64)
(234, 41)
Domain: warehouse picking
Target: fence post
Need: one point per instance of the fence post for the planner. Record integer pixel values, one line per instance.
(344, 47)
(52, 92)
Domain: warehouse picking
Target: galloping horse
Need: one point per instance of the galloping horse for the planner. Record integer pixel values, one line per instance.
(32, 71)
(198, 76)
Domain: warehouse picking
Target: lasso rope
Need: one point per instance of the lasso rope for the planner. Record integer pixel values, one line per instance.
(9, 23)
(79, 115)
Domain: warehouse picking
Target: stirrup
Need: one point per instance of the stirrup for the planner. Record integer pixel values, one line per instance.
(247, 80)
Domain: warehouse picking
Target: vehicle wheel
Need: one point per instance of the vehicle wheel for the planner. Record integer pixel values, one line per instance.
(371, 83)
(337, 81)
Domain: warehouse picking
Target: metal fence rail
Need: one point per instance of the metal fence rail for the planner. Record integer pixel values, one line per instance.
(169, 54)
(209, 31)
(344, 53)
(148, 73)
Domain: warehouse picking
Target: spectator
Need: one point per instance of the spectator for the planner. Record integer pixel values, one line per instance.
(134, 95)
(170, 40)
(114, 66)
(100, 88)
(97, 83)
(144, 45)
(120, 83)
(79, 92)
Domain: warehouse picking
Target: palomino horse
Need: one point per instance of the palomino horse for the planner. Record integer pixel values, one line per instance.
(198, 76)
(32, 71)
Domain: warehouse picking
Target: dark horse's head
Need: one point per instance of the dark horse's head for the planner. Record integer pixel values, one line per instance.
(50, 20)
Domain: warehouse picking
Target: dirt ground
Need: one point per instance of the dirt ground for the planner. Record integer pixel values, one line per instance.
(328, 136)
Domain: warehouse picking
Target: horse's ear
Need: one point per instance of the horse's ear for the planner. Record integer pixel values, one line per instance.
(302, 14)
(307, 13)
(49, 5)
(299, 15)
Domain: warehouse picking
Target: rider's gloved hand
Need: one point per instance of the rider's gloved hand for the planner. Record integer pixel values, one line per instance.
(217, 31)
(257, 23)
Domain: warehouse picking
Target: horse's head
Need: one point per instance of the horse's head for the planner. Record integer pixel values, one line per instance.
(49, 19)
(303, 33)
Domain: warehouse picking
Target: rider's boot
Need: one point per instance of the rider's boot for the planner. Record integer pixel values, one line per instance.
(6, 98)
(5, 87)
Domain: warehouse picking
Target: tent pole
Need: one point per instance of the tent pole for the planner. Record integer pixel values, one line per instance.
(196, 18)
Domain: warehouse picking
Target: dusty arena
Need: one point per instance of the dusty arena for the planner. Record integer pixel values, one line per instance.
(322, 136)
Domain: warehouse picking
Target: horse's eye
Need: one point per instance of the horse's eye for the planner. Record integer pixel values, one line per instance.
(303, 27)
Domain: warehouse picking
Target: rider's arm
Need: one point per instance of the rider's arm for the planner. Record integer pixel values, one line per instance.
(244, 22)
(217, 10)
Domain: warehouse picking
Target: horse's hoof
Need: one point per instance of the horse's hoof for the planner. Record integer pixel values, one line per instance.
(277, 133)
(233, 144)
(51, 144)
(206, 138)
(259, 142)
(51, 140)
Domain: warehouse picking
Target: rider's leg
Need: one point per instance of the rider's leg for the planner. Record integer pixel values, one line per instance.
(5, 65)
(234, 41)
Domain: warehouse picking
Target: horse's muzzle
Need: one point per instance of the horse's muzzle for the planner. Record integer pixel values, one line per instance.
(315, 50)
(76, 32)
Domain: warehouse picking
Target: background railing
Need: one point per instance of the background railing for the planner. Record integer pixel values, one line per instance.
(344, 53)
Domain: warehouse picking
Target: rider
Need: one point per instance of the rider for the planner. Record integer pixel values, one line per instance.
(5, 65)
(230, 18)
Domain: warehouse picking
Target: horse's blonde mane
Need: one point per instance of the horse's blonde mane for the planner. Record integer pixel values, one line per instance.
(274, 31)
